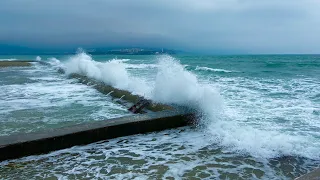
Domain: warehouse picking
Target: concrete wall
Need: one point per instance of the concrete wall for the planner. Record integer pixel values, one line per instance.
(19, 145)
(313, 175)
(14, 63)
(117, 93)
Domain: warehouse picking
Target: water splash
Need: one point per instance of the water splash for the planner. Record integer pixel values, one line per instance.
(112, 72)
(225, 125)
(38, 58)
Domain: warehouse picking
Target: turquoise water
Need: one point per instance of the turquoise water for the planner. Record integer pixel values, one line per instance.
(259, 116)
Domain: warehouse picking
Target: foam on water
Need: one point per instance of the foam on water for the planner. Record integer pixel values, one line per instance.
(181, 153)
(8, 59)
(173, 84)
(140, 66)
(121, 60)
(199, 68)
(250, 127)
(228, 125)
(112, 72)
(227, 120)
(54, 62)
(274, 120)
(56, 91)
(39, 96)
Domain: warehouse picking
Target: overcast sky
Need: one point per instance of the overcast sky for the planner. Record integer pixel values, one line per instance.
(227, 26)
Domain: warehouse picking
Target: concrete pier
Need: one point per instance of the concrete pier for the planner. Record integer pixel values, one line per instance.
(159, 117)
(118, 93)
(19, 145)
(14, 63)
(313, 175)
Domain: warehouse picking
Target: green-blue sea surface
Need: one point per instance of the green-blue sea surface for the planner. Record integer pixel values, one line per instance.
(259, 116)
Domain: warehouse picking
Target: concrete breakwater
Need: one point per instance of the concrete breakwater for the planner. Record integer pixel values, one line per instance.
(157, 117)
(313, 175)
(15, 63)
(121, 95)
(19, 145)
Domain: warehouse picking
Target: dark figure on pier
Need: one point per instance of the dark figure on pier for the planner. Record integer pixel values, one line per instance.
(137, 108)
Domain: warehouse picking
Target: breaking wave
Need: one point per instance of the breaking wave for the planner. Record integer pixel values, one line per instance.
(8, 59)
(111, 72)
(175, 85)
(140, 66)
(211, 69)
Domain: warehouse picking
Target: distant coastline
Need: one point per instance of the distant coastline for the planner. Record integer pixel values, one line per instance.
(92, 51)
(131, 51)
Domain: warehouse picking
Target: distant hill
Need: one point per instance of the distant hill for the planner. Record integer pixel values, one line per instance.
(8, 49)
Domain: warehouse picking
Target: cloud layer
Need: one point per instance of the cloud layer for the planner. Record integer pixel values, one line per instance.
(227, 26)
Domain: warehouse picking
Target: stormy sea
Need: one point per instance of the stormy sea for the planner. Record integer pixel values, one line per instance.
(258, 115)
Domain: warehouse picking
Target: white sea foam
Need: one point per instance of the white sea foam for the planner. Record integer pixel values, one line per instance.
(226, 119)
(239, 116)
(42, 96)
(121, 60)
(212, 69)
(112, 72)
(8, 59)
(140, 66)
(38, 58)
(132, 66)
(268, 126)
(54, 62)
(174, 154)
(176, 85)
(48, 92)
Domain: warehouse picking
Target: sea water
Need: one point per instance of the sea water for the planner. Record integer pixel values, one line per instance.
(259, 116)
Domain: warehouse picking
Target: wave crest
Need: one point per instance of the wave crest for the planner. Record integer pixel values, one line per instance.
(111, 72)
(173, 84)
(211, 69)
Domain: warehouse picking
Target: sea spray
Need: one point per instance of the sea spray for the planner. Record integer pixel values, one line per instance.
(112, 72)
(175, 85)
(272, 115)
(38, 58)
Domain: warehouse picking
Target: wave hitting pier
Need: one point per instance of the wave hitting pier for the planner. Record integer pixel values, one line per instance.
(156, 117)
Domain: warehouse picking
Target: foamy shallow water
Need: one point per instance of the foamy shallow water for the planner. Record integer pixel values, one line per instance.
(38, 97)
(173, 154)
(254, 123)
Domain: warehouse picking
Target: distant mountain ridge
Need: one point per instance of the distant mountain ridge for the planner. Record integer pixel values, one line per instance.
(9, 50)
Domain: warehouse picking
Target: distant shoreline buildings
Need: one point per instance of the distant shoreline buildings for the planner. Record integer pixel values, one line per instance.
(131, 51)
(92, 51)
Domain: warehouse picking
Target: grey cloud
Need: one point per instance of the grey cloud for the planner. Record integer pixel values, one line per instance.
(248, 26)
